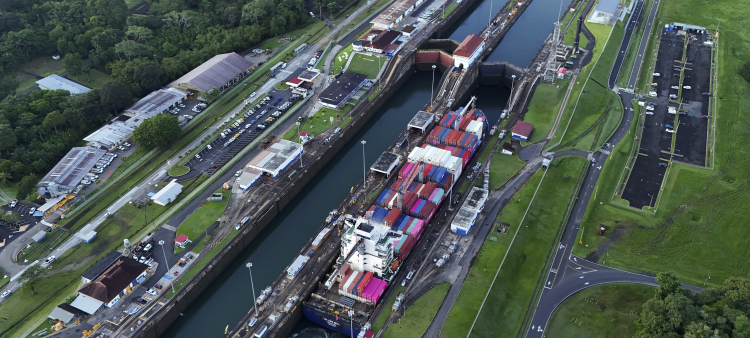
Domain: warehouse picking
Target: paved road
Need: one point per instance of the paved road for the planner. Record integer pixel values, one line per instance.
(570, 274)
(629, 28)
(642, 48)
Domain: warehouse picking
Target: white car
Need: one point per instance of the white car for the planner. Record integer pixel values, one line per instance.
(125, 144)
(6, 294)
(147, 248)
(50, 259)
(13, 204)
(198, 156)
(253, 94)
(671, 131)
(31, 211)
(151, 292)
(238, 173)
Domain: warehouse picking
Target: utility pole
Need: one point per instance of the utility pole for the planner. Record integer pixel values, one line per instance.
(302, 145)
(364, 171)
(167, 265)
(255, 306)
(432, 96)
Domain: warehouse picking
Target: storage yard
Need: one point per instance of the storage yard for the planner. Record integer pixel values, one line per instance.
(676, 114)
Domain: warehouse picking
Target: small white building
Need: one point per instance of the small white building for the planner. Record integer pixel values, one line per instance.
(167, 194)
(55, 82)
(274, 160)
(604, 12)
(468, 51)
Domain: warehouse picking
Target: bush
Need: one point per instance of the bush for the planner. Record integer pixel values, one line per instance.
(745, 71)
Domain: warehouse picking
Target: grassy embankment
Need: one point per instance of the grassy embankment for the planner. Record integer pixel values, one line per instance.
(608, 310)
(204, 217)
(378, 324)
(418, 316)
(543, 108)
(513, 289)
(594, 112)
(695, 232)
(366, 64)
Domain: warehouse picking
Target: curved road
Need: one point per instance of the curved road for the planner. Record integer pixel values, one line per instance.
(569, 273)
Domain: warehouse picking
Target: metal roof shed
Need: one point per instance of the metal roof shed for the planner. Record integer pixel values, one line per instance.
(86, 303)
(218, 72)
(296, 266)
(168, 193)
(421, 121)
(39, 236)
(386, 163)
(64, 313)
(56, 82)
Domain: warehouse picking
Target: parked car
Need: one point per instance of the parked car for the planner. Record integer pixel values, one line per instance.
(31, 211)
(238, 173)
(121, 147)
(126, 144)
(13, 204)
(151, 292)
(147, 248)
(140, 300)
(50, 259)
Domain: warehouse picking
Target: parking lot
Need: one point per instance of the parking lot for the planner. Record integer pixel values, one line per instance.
(9, 232)
(222, 149)
(677, 109)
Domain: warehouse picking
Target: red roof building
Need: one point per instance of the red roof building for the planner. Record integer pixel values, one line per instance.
(294, 82)
(468, 51)
(522, 130)
(181, 240)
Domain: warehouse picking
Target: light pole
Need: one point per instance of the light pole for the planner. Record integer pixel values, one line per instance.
(489, 21)
(166, 264)
(651, 201)
(302, 145)
(364, 171)
(432, 96)
(512, 85)
(351, 325)
(379, 80)
(250, 267)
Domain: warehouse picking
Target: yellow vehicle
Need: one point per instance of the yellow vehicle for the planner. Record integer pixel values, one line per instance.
(237, 135)
(233, 126)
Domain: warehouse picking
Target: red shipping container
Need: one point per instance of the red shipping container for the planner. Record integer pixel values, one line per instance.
(343, 280)
(449, 138)
(372, 208)
(427, 210)
(429, 187)
(392, 217)
(406, 247)
(357, 278)
(466, 157)
(464, 123)
(391, 202)
(396, 184)
(409, 199)
(363, 283)
(344, 269)
(444, 120)
(456, 151)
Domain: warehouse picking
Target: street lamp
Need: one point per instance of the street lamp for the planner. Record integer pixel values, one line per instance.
(512, 85)
(432, 96)
(489, 21)
(364, 171)
(250, 267)
(351, 326)
(303, 147)
(166, 264)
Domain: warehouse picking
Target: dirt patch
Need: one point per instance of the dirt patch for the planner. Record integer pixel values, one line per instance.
(617, 233)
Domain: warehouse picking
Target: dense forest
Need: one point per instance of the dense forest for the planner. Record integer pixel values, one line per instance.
(712, 313)
(140, 52)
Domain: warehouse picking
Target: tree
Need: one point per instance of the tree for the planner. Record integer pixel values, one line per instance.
(73, 63)
(29, 287)
(26, 187)
(10, 217)
(333, 7)
(157, 131)
(139, 34)
(53, 120)
(132, 49)
(8, 141)
(211, 95)
(115, 96)
(4, 177)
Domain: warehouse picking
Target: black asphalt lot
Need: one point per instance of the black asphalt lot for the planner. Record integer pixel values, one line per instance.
(692, 134)
(8, 233)
(210, 157)
(645, 180)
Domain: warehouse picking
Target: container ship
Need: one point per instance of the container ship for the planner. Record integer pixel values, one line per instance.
(374, 245)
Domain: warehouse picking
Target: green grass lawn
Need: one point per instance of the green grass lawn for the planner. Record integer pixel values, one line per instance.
(608, 310)
(339, 61)
(44, 66)
(178, 170)
(581, 130)
(206, 215)
(319, 122)
(378, 324)
(502, 168)
(24, 311)
(93, 79)
(695, 232)
(419, 315)
(510, 296)
(366, 64)
(448, 10)
(543, 108)
(132, 3)
(9, 189)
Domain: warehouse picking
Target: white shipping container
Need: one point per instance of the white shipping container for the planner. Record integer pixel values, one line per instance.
(416, 155)
(475, 127)
(454, 165)
(446, 157)
(297, 265)
(355, 275)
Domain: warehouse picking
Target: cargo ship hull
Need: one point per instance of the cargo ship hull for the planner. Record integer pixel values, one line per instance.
(332, 321)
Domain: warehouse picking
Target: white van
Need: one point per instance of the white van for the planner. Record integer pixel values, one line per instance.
(283, 66)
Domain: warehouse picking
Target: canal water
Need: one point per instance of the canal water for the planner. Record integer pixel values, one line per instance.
(230, 297)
